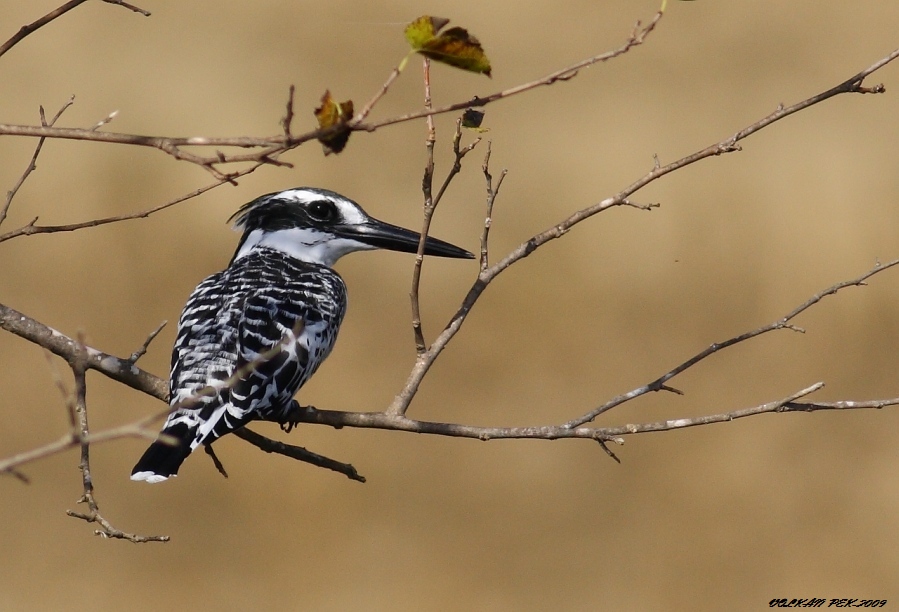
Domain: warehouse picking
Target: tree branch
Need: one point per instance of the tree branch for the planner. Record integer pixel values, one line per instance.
(25, 30)
(426, 359)
(32, 165)
(274, 146)
(127, 373)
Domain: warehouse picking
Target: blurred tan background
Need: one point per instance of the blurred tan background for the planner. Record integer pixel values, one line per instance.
(726, 516)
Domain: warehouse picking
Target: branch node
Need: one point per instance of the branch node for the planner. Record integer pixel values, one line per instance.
(664, 387)
(876, 89)
(792, 327)
(142, 349)
(602, 443)
(646, 207)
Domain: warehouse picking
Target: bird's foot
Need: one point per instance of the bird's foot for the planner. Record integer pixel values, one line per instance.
(294, 415)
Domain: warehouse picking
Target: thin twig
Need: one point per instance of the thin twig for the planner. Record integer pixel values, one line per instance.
(782, 323)
(81, 435)
(430, 205)
(427, 183)
(273, 146)
(288, 115)
(31, 27)
(426, 359)
(148, 383)
(142, 349)
(637, 37)
(124, 371)
(25, 30)
(32, 165)
(32, 227)
(358, 119)
(492, 192)
(130, 7)
(394, 419)
(299, 453)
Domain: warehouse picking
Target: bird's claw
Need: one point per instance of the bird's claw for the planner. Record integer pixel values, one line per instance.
(293, 416)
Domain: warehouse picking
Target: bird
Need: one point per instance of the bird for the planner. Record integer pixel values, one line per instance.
(251, 335)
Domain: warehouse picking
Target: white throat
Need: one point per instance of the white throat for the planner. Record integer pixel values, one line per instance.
(308, 245)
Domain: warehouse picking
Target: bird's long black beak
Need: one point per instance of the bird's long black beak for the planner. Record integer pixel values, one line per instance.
(381, 235)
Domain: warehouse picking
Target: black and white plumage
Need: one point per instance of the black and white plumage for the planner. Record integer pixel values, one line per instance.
(251, 335)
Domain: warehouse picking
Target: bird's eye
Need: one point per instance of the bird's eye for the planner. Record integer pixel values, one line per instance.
(322, 210)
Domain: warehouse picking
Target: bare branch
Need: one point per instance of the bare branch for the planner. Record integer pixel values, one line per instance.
(299, 453)
(33, 228)
(637, 37)
(130, 7)
(10, 463)
(492, 192)
(273, 146)
(430, 206)
(144, 381)
(125, 371)
(142, 350)
(106, 529)
(358, 119)
(58, 343)
(782, 323)
(427, 183)
(32, 165)
(25, 30)
(486, 276)
(81, 358)
(288, 115)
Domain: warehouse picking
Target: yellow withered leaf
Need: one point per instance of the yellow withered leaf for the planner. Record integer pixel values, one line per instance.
(424, 29)
(455, 46)
(333, 115)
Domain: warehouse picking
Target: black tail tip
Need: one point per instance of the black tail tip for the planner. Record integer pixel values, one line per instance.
(161, 461)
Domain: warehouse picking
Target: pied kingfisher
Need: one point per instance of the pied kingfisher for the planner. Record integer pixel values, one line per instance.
(250, 336)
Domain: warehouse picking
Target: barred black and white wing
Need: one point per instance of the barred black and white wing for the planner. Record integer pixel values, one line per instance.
(249, 337)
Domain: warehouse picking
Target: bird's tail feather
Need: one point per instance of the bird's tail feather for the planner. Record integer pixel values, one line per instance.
(161, 460)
